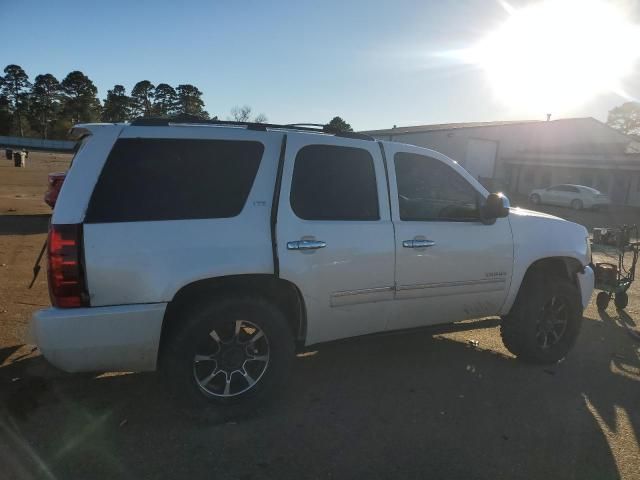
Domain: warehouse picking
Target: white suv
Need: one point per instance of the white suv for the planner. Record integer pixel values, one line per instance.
(213, 250)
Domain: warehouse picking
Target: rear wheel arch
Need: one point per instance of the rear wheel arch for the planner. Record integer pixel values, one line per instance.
(283, 294)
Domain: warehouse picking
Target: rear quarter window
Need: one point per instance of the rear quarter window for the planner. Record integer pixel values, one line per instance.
(174, 179)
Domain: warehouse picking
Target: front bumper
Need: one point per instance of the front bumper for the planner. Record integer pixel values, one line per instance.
(586, 281)
(118, 338)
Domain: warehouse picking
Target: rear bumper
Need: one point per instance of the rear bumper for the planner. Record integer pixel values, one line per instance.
(586, 281)
(118, 338)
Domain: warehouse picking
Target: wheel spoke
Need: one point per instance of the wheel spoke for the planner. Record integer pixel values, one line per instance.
(258, 358)
(204, 358)
(545, 341)
(213, 334)
(227, 385)
(257, 336)
(555, 335)
(248, 378)
(238, 326)
(559, 321)
(206, 380)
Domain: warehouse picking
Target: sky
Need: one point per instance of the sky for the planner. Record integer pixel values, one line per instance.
(375, 63)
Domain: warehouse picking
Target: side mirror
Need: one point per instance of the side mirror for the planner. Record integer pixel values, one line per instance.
(496, 206)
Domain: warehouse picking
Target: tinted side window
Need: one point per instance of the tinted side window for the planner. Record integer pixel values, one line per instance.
(170, 179)
(334, 183)
(428, 189)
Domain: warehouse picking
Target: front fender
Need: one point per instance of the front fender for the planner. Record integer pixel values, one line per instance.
(537, 236)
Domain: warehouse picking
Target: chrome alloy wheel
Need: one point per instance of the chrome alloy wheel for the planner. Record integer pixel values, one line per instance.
(231, 359)
(553, 322)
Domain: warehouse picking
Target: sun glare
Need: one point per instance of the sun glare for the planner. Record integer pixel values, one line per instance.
(556, 55)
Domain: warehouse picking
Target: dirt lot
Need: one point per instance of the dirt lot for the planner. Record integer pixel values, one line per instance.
(427, 404)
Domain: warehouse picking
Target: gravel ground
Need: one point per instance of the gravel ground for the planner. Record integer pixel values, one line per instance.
(447, 402)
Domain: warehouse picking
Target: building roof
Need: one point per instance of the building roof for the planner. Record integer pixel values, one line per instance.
(593, 160)
(456, 126)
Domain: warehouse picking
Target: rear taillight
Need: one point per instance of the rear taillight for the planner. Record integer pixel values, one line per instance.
(67, 287)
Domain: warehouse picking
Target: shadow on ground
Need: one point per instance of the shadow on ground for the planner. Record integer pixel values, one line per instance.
(24, 224)
(413, 405)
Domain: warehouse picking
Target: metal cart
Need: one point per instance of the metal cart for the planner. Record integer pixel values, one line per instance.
(614, 279)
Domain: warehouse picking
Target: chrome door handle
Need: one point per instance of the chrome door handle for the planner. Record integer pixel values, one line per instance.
(418, 243)
(306, 245)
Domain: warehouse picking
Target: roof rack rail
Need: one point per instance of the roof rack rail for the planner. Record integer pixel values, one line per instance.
(306, 125)
(192, 119)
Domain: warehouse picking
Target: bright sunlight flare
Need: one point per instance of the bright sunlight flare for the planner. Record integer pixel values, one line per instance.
(557, 54)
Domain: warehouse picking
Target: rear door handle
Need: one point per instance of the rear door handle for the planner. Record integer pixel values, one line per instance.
(306, 245)
(418, 243)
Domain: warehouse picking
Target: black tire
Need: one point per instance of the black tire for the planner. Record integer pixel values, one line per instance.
(602, 301)
(535, 199)
(577, 204)
(621, 300)
(523, 329)
(196, 335)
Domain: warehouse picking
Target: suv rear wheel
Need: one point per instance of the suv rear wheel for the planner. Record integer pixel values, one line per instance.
(545, 320)
(234, 351)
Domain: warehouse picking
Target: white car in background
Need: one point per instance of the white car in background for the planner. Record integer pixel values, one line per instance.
(567, 195)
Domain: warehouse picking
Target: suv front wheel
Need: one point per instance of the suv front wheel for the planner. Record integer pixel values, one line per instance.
(545, 320)
(232, 351)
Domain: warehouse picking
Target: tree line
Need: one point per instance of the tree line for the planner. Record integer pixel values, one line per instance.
(47, 107)
(626, 118)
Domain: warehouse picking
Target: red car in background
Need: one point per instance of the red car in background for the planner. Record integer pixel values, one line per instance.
(55, 184)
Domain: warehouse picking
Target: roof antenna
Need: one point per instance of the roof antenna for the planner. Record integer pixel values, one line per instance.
(548, 117)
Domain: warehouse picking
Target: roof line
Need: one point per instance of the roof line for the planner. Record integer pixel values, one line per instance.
(195, 120)
(443, 127)
(629, 137)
